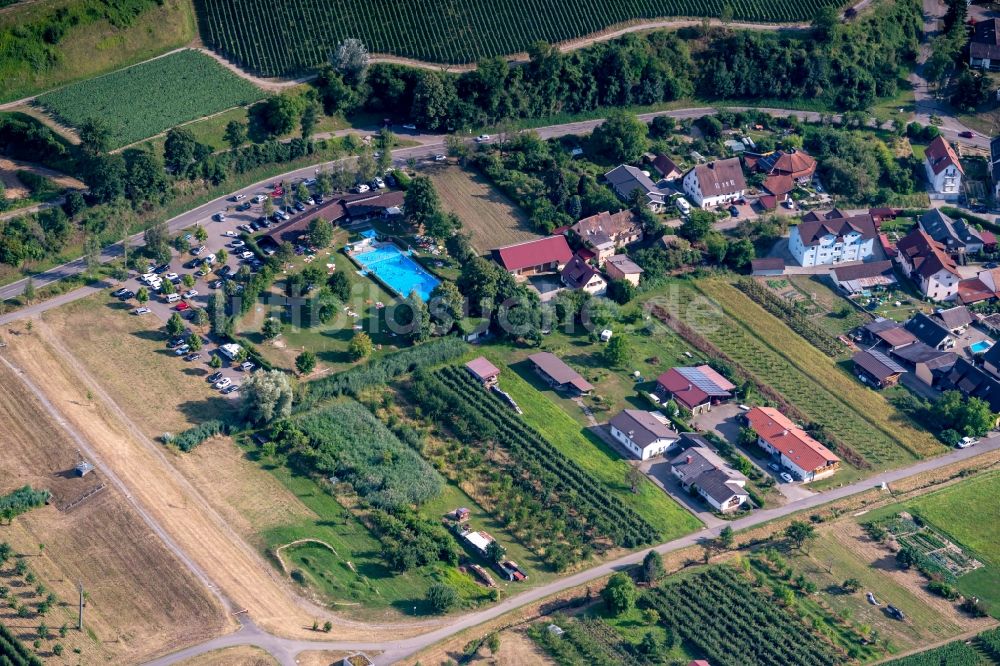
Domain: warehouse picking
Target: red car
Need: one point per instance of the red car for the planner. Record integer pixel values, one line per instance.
(967, 134)
(181, 307)
(277, 192)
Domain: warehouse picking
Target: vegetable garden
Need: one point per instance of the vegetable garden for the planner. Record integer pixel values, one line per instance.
(149, 98)
(285, 37)
(570, 501)
(811, 381)
(719, 611)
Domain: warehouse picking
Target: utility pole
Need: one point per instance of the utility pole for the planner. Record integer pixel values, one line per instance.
(79, 624)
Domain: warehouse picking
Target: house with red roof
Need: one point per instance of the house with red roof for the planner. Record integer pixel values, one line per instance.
(928, 264)
(807, 459)
(558, 374)
(944, 170)
(695, 388)
(783, 170)
(832, 238)
(543, 255)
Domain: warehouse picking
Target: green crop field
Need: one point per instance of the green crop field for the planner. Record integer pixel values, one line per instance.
(141, 101)
(288, 36)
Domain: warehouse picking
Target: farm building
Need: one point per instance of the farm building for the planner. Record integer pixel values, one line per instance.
(621, 267)
(605, 233)
(887, 332)
(926, 262)
(644, 434)
(581, 276)
(478, 540)
(876, 369)
(559, 375)
(696, 389)
(861, 278)
(702, 469)
(808, 459)
(929, 365)
(485, 372)
(715, 183)
(767, 266)
(543, 255)
(944, 170)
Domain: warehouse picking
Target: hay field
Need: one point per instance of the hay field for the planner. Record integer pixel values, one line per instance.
(142, 600)
(491, 219)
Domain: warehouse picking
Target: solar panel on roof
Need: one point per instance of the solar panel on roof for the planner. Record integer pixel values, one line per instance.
(700, 381)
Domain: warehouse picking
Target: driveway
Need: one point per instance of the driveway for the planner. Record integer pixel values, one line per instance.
(658, 471)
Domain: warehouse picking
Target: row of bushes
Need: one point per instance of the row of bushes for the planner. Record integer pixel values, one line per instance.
(381, 370)
(21, 501)
(192, 437)
(785, 311)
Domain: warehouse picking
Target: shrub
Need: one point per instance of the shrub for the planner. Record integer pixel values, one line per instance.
(441, 597)
(191, 438)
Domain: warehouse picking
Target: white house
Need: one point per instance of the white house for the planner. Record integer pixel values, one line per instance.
(944, 171)
(580, 275)
(644, 434)
(715, 183)
(925, 261)
(807, 459)
(822, 240)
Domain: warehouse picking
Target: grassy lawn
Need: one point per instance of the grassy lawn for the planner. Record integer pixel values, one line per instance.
(355, 575)
(828, 304)
(591, 453)
(329, 341)
(967, 514)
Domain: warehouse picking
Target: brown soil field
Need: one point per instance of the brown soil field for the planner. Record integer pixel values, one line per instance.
(488, 215)
(241, 655)
(142, 601)
(15, 189)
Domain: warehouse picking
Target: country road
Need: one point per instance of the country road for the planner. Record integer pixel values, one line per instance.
(285, 650)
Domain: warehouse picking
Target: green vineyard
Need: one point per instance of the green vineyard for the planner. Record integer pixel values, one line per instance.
(288, 36)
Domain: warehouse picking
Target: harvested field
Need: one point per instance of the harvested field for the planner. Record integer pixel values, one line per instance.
(241, 655)
(487, 215)
(142, 600)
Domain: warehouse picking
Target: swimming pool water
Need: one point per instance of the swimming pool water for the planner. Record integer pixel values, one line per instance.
(398, 271)
(980, 347)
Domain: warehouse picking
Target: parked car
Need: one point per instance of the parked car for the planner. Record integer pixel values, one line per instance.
(141, 311)
(237, 243)
(966, 442)
(440, 157)
(786, 477)
(118, 292)
(378, 183)
(967, 134)
(311, 201)
(215, 284)
(259, 198)
(223, 383)
(224, 271)
(229, 389)
(361, 188)
(254, 226)
(182, 306)
(219, 217)
(245, 228)
(126, 295)
(991, 265)
(243, 207)
(238, 197)
(190, 293)
(161, 268)
(175, 341)
(872, 600)
(409, 126)
(734, 211)
(246, 366)
(171, 276)
(482, 138)
(299, 206)
(198, 250)
(183, 349)
(894, 612)
(246, 255)
(215, 376)
(774, 467)
(193, 356)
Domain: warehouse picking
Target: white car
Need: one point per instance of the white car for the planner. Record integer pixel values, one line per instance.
(230, 233)
(237, 243)
(246, 366)
(482, 138)
(171, 276)
(967, 442)
(148, 277)
(440, 158)
(191, 293)
(239, 197)
(259, 198)
(247, 255)
(223, 383)
(362, 188)
(409, 126)
(141, 311)
(786, 477)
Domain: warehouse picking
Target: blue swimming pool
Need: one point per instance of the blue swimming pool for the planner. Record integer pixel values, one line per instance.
(980, 347)
(398, 270)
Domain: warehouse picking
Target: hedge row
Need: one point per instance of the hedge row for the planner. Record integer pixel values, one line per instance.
(191, 438)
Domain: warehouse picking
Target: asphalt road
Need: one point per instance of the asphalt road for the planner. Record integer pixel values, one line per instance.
(285, 650)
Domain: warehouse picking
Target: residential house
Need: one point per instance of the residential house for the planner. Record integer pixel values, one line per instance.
(644, 434)
(955, 319)
(767, 266)
(984, 45)
(625, 180)
(991, 360)
(620, 267)
(696, 388)
(666, 167)
(929, 365)
(783, 170)
(559, 375)
(944, 171)
(861, 278)
(715, 183)
(973, 382)
(794, 447)
(723, 488)
(833, 239)
(543, 255)
(932, 333)
(973, 290)
(886, 332)
(995, 166)
(925, 261)
(876, 369)
(957, 236)
(485, 372)
(581, 276)
(606, 233)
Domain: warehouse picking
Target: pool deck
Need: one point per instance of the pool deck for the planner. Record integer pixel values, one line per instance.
(400, 261)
